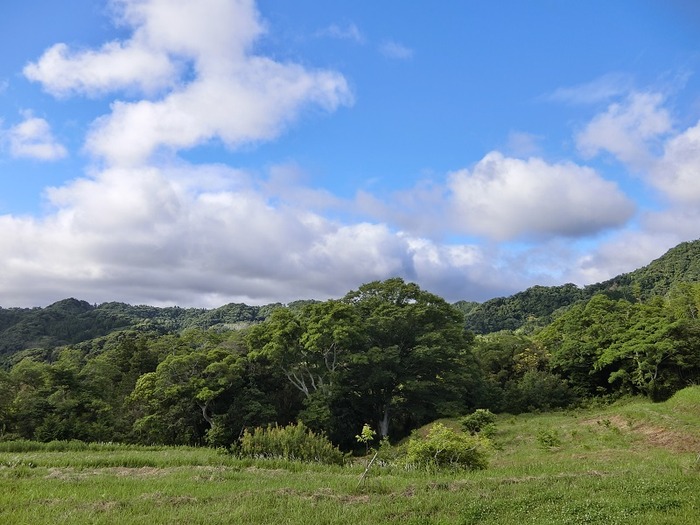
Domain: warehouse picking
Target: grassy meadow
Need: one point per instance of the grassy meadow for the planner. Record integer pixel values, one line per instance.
(633, 462)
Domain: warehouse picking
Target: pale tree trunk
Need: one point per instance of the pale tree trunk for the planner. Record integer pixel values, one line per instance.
(205, 413)
(384, 424)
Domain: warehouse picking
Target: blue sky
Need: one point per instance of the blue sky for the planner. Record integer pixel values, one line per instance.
(199, 153)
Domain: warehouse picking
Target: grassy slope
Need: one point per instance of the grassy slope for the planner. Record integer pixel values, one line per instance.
(630, 463)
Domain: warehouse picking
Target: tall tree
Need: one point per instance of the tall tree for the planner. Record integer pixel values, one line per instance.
(415, 352)
(175, 403)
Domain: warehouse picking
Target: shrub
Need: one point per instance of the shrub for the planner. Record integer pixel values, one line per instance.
(548, 439)
(293, 442)
(445, 448)
(478, 421)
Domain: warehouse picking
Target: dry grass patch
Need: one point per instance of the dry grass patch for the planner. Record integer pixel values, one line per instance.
(650, 434)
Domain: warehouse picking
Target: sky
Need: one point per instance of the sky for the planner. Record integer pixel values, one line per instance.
(170, 152)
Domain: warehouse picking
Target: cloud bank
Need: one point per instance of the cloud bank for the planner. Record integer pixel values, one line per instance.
(142, 225)
(199, 54)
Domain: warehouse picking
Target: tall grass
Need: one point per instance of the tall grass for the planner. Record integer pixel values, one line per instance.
(607, 466)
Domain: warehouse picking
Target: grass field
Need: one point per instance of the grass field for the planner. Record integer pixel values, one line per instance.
(633, 462)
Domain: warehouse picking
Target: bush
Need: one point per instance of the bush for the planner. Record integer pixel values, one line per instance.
(548, 439)
(445, 448)
(478, 421)
(293, 442)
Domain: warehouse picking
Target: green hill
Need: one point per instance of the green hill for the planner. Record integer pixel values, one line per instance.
(537, 306)
(72, 321)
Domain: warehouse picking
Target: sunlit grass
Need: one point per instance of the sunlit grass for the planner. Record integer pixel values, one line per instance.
(634, 463)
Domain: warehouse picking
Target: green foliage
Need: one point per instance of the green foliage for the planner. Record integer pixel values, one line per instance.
(516, 374)
(445, 448)
(477, 421)
(389, 351)
(291, 442)
(532, 308)
(366, 436)
(71, 321)
(607, 345)
(548, 438)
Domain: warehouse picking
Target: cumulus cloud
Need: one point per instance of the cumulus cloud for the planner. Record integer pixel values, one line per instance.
(627, 130)
(203, 235)
(506, 198)
(142, 231)
(115, 66)
(227, 93)
(677, 173)
(32, 138)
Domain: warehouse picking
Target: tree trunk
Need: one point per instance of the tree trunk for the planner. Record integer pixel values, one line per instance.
(384, 424)
(205, 413)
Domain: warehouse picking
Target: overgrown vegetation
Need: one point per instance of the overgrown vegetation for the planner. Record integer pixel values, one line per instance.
(445, 448)
(630, 462)
(387, 355)
(481, 421)
(292, 442)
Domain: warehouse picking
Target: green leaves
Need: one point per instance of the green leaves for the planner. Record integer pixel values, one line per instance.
(446, 448)
(387, 351)
(291, 442)
(638, 347)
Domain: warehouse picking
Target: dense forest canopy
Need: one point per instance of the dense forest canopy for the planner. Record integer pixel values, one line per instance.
(388, 354)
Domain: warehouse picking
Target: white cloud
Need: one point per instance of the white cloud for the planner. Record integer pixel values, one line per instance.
(251, 104)
(32, 138)
(206, 235)
(349, 32)
(395, 50)
(232, 95)
(627, 130)
(601, 89)
(115, 66)
(506, 198)
(677, 173)
(161, 236)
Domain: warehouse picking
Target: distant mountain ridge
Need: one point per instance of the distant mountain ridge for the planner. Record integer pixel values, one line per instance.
(537, 305)
(72, 321)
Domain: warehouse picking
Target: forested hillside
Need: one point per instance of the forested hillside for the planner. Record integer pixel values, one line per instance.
(535, 307)
(72, 321)
(388, 354)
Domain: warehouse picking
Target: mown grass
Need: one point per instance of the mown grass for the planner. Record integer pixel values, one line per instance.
(630, 463)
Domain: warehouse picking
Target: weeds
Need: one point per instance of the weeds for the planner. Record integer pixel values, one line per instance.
(293, 442)
(595, 477)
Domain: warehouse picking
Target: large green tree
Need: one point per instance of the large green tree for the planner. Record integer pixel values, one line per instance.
(416, 357)
(388, 351)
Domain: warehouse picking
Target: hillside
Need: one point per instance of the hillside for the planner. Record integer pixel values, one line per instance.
(536, 306)
(632, 462)
(72, 321)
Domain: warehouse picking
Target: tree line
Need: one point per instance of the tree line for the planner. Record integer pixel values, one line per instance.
(388, 354)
